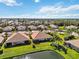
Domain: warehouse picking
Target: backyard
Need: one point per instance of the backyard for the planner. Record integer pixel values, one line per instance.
(16, 51)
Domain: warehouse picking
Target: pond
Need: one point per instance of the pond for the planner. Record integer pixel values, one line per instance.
(41, 55)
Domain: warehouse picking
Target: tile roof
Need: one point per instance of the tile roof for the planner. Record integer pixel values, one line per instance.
(74, 42)
(18, 37)
(40, 35)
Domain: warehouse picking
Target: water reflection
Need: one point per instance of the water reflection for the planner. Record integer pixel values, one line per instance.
(41, 55)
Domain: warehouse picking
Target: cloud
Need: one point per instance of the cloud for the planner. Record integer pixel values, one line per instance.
(53, 11)
(57, 9)
(42, 16)
(36, 1)
(10, 2)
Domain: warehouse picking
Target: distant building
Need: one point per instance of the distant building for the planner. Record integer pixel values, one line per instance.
(32, 27)
(8, 34)
(47, 31)
(61, 33)
(21, 28)
(53, 26)
(11, 22)
(71, 27)
(75, 34)
(42, 27)
(8, 28)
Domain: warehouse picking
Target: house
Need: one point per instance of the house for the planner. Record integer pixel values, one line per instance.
(17, 38)
(11, 22)
(62, 33)
(37, 22)
(1, 28)
(32, 27)
(21, 28)
(8, 34)
(40, 37)
(42, 27)
(16, 22)
(53, 26)
(8, 28)
(71, 27)
(47, 31)
(74, 34)
(74, 44)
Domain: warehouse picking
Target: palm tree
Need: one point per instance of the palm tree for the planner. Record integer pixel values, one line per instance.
(55, 38)
(31, 40)
(1, 30)
(6, 36)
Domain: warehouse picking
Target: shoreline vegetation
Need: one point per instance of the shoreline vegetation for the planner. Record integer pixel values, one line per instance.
(17, 51)
(34, 52)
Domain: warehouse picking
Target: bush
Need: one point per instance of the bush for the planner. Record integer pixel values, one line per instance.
(33, 46)
(36, 41)
(27, 42)
(1, 51)
(1, 30)
(59, 47)
(69, 37)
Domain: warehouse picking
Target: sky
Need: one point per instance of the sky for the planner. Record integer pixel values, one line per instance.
(39, 8)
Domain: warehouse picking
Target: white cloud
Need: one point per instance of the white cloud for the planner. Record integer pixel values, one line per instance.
(10, 2)
(43, 16)
(57, 10)
(36, 1)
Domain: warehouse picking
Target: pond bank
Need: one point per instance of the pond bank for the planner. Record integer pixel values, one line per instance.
(37, 53)
(17, 51)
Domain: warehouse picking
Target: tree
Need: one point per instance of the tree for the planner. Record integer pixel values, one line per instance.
(40, 29)
(59, 47)
(31, 40)
(6, 36)
(71, 37)
(55, 37)
(29, 29)
(1, 51)
(1, 30)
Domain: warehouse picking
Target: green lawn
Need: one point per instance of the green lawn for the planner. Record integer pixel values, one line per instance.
(61, 27)
(10, 52)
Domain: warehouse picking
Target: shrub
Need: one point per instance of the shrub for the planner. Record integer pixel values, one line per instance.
(69, 37)
(1, 30)
(1, 51)
(33, 46)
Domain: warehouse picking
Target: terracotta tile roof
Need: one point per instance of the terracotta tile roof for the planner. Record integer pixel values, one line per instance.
(40, 35)
(18, 37)
(74, 42)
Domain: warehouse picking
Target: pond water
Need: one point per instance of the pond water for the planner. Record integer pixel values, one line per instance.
(41, 55)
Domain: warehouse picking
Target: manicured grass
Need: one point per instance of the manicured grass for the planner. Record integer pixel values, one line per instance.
(62, 35)
(15, 51)
(70, 55)
(9, 52)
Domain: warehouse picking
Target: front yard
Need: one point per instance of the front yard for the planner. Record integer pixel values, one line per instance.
(15, 51)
